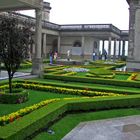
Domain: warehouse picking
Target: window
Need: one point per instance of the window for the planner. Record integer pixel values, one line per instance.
(77, 44)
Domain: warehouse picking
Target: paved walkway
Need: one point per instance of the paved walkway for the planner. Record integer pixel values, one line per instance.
(4, 75)
(124, 128)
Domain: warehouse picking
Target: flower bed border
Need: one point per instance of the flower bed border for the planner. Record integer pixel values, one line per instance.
(14, 98)
(24, 127)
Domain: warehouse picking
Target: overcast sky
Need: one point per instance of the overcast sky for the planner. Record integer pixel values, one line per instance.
(89, 12)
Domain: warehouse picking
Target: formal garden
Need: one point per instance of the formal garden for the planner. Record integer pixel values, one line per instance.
(51, 106)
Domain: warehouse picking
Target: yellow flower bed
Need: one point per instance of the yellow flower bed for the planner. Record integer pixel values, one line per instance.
(69, 73)
(132, 76)
(62, 90)
(20, 113)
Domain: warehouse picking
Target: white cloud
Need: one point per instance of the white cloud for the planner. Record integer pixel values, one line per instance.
(89, 12)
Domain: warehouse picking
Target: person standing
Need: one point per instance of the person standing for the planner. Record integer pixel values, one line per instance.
(68, 55)
(94, 56)
(105, 54)
(51, 57)
(55, 55)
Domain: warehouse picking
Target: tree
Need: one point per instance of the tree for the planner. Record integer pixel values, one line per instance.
(14, 42)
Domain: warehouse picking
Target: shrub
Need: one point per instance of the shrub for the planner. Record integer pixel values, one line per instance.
(64, 90)
(45, 116)
(138, 77)
(132, 76)
(17, 97)
(101, 71)
(22, 112)
(93, 80)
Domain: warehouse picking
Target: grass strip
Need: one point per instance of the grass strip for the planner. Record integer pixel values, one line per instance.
(30, 123)
(70, 121)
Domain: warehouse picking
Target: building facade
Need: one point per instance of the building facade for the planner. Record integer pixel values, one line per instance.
(83, 40)
(133, 61)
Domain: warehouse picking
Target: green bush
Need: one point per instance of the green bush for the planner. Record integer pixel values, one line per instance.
(45, 116)
(65, 90)
(6, 119)
(18, 96)
(137, 77)
(25, 66)
(100, 76)
(93, 80)
(101, 71)
(40, 84)
(114, 65)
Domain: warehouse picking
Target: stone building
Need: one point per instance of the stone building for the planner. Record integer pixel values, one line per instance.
(133, 61)
(81, 39)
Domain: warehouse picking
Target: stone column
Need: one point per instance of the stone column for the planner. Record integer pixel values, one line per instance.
(123, 49)
(133, 61)
(37, 61)
(103, 46)
(83, 46)
(119, 53)
(33, 51)
(109, 48)
(59, 44)
(44, 46)
(114, 53)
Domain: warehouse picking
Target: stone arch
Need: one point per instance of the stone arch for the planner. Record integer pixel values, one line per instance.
(77, 43)
(95, 46)
(55, 45)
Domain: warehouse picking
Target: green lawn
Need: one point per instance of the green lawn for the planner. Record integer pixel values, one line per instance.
(117, 76)
(34, 97)
(121, 77)
(25, 70)
(86, 85)
(81, 74)
(66, 124)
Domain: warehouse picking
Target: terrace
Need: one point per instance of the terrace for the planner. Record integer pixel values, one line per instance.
(72, 27)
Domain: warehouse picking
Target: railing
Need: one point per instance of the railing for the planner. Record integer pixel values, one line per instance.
(90, 27)
(96, 26)
(69, 27)
(124, 32)
(50, 25)
(115, 29)
(31, 20)
(85, 27)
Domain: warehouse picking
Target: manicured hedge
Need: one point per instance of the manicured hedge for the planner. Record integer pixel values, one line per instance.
(93, 80)
(23, 127)
(137, 78)
(22, 66)
(104, 63)
(40, 118)
(16, 97)
(25, 66)
(100, 89)
(9, 118)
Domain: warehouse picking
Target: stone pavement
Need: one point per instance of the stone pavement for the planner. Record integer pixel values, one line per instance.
(124, 128)
(4, 75)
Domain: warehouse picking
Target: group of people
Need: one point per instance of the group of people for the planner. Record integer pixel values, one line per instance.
(102, 56)
(53, 56)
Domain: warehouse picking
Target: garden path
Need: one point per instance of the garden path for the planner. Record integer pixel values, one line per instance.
(124, 128)
(4, 75)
